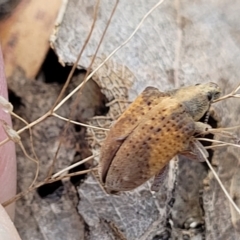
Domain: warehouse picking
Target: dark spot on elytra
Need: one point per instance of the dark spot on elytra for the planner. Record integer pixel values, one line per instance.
(153, 119)
(168, 129)
(162, 118)
(177, 119)
(149, 139)
(134, 120)
(158, 129)
(149, 103)
(146, 164)
(151, 128)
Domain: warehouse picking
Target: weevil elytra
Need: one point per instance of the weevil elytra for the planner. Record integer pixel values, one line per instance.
(156, 127)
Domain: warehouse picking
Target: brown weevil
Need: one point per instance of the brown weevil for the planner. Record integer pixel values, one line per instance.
(156, 127)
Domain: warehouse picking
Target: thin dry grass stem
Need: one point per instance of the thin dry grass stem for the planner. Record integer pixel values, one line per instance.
(219, 131)
(20, 118)
(46, 181)
(31, 144)
(232, 94)
(78, 123)
(223, 129)
(72, 166)
(102, 118)
(236, 89)
(42, 118)
(217, 145)
(83, 83)
(79, 56)
(223, 133)
(21, 194)
(12, 134)
(219, 181)
(178, 43)
(30, 132)
(117, 101)
(32, 159)
(77, 173)
(217, 141)
(110, 55)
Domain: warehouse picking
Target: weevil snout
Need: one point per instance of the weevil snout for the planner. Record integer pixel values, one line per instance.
(198, 98)
(213, 92)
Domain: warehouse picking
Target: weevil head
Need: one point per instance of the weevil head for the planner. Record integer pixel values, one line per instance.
(198, 98)
(211, 90)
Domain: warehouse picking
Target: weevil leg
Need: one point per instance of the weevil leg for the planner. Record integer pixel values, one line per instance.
(194, 153)
(202, 128)
(189, 154)
(159, 179)
(195, 145)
